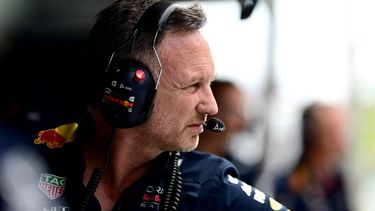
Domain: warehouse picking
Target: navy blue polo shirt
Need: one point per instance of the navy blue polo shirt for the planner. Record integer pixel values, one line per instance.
(209, 183)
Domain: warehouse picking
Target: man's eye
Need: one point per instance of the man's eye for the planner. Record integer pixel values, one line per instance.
(192, 88)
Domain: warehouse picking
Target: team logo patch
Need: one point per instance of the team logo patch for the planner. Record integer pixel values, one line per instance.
(51, 185)
(57, 137)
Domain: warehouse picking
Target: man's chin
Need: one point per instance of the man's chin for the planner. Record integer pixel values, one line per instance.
(190, 145)
(186, 149)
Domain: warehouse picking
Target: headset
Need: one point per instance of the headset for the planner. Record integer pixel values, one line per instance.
(129, 88)
(128, 99)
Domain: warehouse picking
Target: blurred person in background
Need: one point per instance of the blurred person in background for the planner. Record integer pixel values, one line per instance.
(230, 100)
(317, 181)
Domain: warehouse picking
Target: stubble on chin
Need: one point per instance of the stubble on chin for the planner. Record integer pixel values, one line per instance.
(190, 144)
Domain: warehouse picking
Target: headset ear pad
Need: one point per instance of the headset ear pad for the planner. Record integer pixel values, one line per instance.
(129, 92)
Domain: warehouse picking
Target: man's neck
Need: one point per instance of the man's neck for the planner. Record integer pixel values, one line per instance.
(129, 160)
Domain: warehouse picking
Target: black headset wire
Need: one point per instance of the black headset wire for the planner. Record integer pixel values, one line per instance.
(97, 174)
(173, 192)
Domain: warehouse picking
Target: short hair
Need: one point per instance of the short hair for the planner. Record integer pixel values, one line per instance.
(114, 28)
(310, 127)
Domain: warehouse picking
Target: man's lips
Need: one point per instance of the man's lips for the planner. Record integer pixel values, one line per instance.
(196, 124)
(198, 127)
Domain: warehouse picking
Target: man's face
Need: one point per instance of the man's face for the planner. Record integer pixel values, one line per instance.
(333, 134)
(184, 96)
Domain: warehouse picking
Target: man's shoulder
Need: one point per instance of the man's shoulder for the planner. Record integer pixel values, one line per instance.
(201, 166)
(211, 182)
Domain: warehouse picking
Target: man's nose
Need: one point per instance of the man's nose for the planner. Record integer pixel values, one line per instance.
(207, 103)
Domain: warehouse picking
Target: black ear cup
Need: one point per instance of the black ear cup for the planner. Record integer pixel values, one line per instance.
(128, 94)
(130, 88)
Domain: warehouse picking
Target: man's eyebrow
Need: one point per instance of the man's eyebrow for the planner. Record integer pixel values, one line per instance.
(199, 78)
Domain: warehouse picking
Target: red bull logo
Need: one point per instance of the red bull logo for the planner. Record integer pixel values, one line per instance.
(57, 137)
(124, 103)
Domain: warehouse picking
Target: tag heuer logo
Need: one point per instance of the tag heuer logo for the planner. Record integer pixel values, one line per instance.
(51, 185)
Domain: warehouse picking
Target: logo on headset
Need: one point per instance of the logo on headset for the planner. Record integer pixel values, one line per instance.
(112, 96)
(51, 185)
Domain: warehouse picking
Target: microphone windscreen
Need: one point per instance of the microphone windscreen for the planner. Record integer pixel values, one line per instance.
(215, 125)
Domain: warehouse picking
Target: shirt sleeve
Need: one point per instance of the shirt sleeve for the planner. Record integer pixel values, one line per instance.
(211, 183)
(241, 196)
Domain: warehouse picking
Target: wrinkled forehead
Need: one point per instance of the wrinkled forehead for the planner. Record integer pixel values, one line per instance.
(183, 50)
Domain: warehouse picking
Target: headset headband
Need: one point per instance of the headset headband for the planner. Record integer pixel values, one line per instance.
(155, 17)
